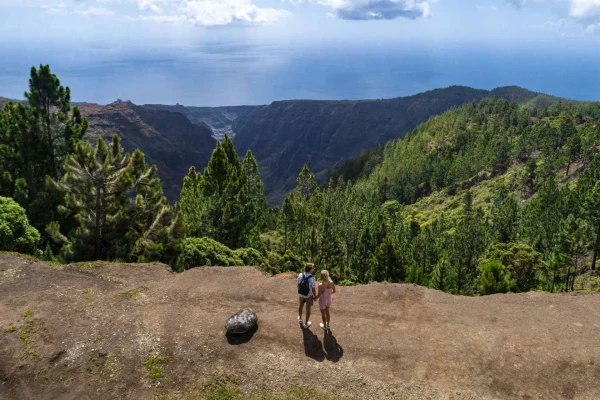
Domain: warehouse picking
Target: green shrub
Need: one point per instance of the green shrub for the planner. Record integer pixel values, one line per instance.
(493, 278)
(250, 257)
(520, 260)
(15, 232)
(291, 262)
(276, 263)
(205, 252)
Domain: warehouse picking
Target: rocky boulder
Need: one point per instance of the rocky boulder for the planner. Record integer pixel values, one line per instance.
(241, 322)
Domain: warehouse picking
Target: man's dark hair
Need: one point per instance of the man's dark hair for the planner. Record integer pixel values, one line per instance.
(309, 267)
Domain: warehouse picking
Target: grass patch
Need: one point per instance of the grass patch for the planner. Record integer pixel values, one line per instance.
(91, 265)
(132, 294)
(11, 328)
(26, 334)
(154, 366)
(228, 388)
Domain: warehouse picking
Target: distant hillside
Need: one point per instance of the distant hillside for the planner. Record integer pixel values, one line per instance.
(323, 134)
(220, 119)
(283, 135)
(168, 139)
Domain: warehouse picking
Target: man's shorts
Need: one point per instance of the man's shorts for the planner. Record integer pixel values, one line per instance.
(308, 302)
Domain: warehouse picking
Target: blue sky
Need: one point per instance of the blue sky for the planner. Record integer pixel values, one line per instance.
(211, 52)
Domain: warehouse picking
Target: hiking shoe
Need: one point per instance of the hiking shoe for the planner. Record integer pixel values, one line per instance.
(307, 325)
(324, 327)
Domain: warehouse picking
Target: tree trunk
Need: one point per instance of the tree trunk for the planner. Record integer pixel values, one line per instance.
(50, 141)
(97, 230)
(285, 240)
(596, 249)
(566, 288)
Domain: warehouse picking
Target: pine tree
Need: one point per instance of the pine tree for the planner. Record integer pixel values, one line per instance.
(288, 218)
(505, 216)
(52, 102)
(442, 275)
(257, 202)
(307, 186)
(470, 240)
(226, 202)
(98, 187)
(592, 205)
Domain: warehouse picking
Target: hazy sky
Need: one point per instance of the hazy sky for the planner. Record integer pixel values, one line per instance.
(210, 52)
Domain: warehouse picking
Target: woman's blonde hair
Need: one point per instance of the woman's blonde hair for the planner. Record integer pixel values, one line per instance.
(325, 276)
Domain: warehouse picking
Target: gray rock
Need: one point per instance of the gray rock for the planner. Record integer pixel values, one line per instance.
(241, 322)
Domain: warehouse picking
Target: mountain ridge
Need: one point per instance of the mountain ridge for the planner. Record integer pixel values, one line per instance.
(285, 135)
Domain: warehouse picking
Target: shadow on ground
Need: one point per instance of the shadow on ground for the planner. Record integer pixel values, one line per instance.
(313, 347)
(333, 351)
(243, 338)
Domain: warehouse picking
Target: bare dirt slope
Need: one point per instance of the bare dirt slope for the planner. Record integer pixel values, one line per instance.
(87, 332)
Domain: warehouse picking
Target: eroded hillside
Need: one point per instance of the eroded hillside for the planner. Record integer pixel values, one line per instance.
(285, 135)
(168, 139)
(104, 330)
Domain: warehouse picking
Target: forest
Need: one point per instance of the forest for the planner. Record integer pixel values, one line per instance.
(490, 197)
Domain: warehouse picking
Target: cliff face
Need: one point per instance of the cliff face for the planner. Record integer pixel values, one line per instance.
(219, 119)
(168, 139)
(287, 134)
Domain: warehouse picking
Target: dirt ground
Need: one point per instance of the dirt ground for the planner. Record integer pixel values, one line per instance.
(104, 331)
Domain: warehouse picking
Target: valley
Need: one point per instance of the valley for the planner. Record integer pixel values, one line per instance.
(283, 135)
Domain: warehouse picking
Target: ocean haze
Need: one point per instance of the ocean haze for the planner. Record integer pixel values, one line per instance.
(233, 73)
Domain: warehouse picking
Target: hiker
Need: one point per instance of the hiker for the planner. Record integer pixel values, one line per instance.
(326, 289)
(307, 293)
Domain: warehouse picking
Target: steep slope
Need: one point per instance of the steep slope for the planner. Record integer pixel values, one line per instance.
(138, 331)
(287, 134)
(168, 139)
(219, 119)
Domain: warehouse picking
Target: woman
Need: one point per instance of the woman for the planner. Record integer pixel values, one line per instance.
(326, 290)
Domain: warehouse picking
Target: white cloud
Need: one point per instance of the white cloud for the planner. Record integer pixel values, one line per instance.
(94, 12)
(199, 12)
(170, 19)
(149, 5)
(585, 10)
(378, 9)
(224, 12)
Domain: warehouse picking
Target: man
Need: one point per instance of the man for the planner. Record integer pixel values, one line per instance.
(307, 293)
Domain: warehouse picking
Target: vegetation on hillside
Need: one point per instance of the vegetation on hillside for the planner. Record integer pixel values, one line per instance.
(538, 217)
(490, 197)
(285, 135)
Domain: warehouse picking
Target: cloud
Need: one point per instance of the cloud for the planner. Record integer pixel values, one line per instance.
(492, 7)
(94, 12)
(150, 5)
(587, 11)
(198, 12)
(378, 9)
(224, 12)
(163, 19)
